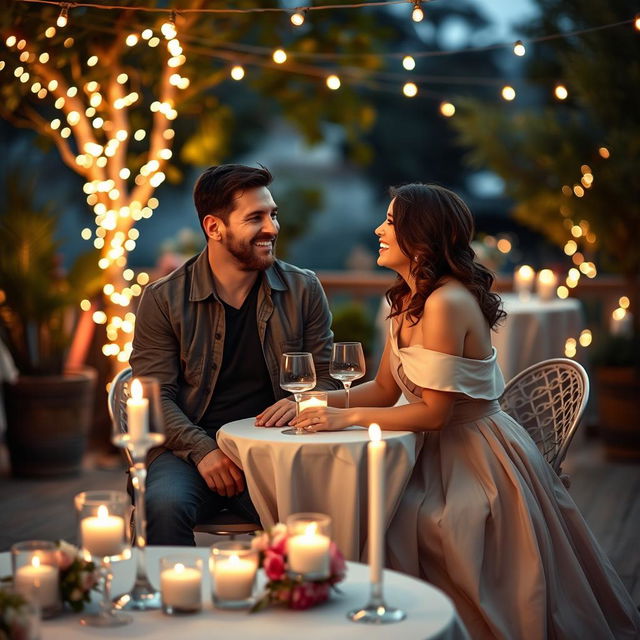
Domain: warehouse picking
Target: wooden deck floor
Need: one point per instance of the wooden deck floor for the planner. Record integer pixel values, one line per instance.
(608, 493)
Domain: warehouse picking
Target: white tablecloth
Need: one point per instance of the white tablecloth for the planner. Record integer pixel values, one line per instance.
(535, 330)
(430, 614)
(324, 472)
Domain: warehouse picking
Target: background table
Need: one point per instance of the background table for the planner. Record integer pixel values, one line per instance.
(534, 330)
(430, 614)
(325, 472)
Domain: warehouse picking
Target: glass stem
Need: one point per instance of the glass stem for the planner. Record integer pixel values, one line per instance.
(138, 479)
(106, 607)
(297, 397)
(347, 387)
(376, 599)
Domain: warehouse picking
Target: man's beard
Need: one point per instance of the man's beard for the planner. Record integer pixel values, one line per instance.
(246, 253)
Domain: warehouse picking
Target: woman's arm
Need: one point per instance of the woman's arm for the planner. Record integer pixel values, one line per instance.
(444, 330)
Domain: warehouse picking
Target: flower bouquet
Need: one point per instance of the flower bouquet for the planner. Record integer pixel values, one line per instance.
(284, 589)
(77, 576)
(19, 617)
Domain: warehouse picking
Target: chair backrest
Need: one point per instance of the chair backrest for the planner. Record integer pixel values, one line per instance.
(548, 400)
(114, 398)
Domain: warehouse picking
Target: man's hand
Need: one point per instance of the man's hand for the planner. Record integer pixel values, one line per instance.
(277, 415)
(221, 474)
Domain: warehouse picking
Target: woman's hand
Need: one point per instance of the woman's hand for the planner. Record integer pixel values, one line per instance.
(323, 419)
(277, 415)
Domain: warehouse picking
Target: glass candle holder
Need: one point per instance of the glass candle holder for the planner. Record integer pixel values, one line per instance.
(181, 584)
(36, 574)
(309, 537)
(312, 399)
(233, 567)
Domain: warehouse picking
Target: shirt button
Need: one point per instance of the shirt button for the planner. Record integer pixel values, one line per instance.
(218, 335)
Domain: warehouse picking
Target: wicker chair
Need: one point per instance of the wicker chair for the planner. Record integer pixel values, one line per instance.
(548, 400)
(226, 523)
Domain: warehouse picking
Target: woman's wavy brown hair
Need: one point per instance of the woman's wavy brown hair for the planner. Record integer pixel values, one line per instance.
(434, 228)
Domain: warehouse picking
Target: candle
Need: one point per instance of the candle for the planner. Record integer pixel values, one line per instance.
(546, 284)
(308, 553)
(103, 535)
(523, 281)
(38, 581)
(233, 578)
(318, 400)
(181, 587)
(137, 412)
(376, 451)
(621, 323)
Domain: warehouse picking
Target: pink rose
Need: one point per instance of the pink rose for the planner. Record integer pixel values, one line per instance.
(273, 565)
(337, 564)
(279, 544)
(308, 594)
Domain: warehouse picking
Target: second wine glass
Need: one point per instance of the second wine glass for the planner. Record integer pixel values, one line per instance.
(297, 374)
(347, 364)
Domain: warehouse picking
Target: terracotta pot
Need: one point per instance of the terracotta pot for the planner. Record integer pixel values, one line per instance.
(618, 393)
(48, 418)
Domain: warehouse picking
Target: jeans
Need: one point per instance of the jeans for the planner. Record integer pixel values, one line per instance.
(177, 498)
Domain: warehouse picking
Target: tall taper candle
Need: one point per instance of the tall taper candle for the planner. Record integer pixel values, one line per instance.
(376, 451)
(137, 412)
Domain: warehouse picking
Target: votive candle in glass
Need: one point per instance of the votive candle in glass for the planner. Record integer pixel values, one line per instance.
(312, 399)
(309, 537)
(546, 285)
(523, 280)
(181, 584)
(233, 567)
(36, 574)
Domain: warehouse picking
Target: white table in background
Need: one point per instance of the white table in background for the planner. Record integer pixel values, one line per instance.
(535, 330)
(324, 472)
(430, 614)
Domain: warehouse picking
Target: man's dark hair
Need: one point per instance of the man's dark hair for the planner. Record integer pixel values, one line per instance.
(218, 187)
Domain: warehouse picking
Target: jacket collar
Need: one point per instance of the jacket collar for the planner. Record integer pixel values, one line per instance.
(203, 285)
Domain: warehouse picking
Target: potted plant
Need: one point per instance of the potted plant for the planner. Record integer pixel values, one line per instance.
(49, 407)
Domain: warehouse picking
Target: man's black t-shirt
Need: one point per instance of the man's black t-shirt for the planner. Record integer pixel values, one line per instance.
(243, 388)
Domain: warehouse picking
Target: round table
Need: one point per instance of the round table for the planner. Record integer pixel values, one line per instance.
(430, 614)
(534, 330)
(324, 472)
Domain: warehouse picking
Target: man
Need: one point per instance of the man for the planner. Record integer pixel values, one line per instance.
(212, 332)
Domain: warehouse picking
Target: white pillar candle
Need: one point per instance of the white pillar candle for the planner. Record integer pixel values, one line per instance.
(233, 578)
(39, 581)
(308, 553)
(376, 451)
(181, 587)
(312, 402)
(547, 283)
(523, 281)
(102, 535)
(137, 412)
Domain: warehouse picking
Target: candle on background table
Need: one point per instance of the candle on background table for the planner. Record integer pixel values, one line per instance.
(546, 285)
(621, 323)
(38, 581)
(181, 587)
(376, 451)
(137, 412)
(523, 281)
(308, 552)
(102, 535)
(233, 577)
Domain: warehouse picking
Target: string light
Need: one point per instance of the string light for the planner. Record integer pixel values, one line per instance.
(447, 110)
(410, 90)
(508, 93)
(333, 82)
(237, 72)
(636, 22)
(519, 48)
(279, 56)
(297, 18)
(168, 29)
(417, 15)
(63, 18)
(409, 63)
(561, 92)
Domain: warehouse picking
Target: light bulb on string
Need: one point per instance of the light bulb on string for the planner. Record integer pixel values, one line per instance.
(297, 18)
(333, 82)
(168, 29)
(447, 109)
(519, 48)
(417, 15)
(237, 72)
(561, 92)
(410, 90)
(409, 63)
(636, 22)
(63, 18)
(279, 56)
(508, 93)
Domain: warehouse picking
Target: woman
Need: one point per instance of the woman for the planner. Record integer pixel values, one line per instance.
(484, 517)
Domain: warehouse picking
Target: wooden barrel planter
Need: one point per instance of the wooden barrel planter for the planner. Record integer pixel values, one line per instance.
(619, 426)
(48, 419)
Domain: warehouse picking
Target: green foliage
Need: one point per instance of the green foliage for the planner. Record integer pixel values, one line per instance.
(352, 323)
(37, 296)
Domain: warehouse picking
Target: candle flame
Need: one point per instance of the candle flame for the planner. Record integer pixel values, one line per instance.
(103, 512)
(526, 271)
(374, 432)
(35, 561)
(136, 390)
(179, 567)
(311, 529)
(547, 276)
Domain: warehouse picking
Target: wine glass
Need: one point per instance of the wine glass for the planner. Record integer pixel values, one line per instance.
(347, 364)
(297, 374)
(137, 426)
(102, 518)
